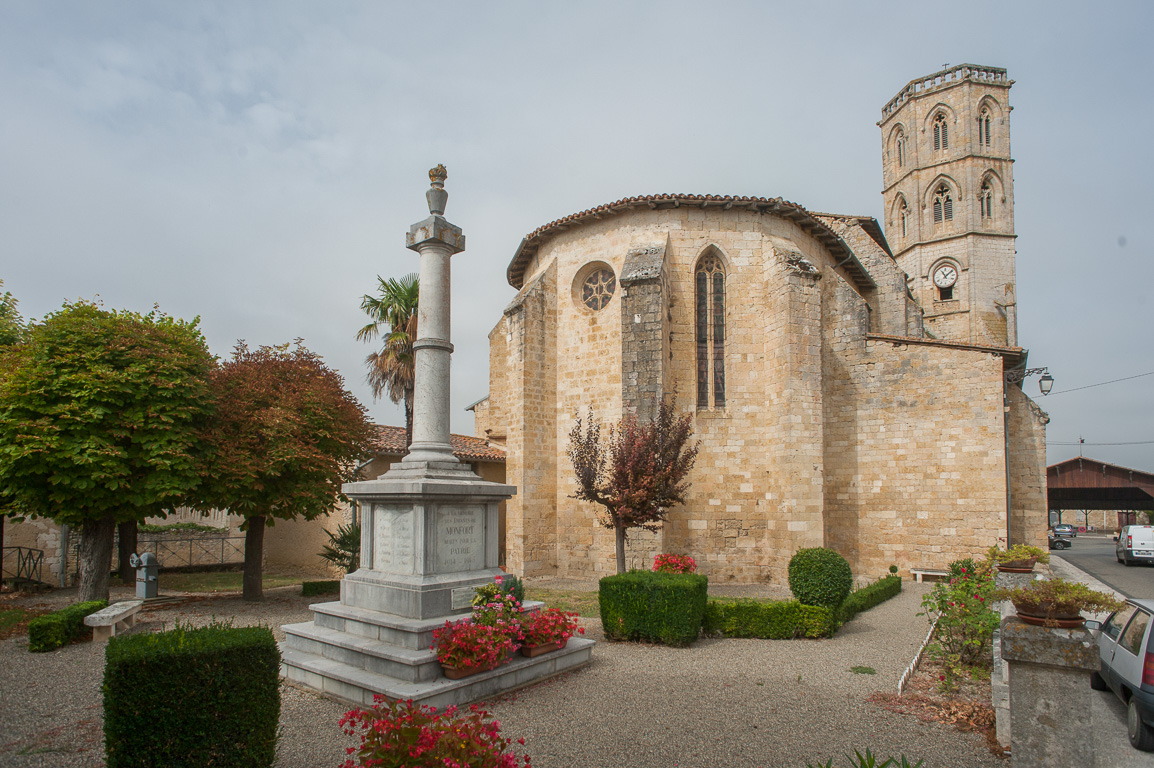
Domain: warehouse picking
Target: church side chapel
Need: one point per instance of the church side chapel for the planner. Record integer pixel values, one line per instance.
(847, 384)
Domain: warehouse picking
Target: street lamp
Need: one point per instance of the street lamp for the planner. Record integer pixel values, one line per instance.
(1016, 375)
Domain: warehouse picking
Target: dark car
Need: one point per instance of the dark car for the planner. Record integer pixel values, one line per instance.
(1065, 529)
(1057, 542)
(1126, 650)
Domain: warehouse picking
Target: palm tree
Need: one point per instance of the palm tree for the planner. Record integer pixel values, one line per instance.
(394, 316)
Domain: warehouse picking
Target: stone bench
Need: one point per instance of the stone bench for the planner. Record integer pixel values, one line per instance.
(920, 572)
(115, 618)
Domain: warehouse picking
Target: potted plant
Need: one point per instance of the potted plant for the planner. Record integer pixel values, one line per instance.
(465, 648)
(548, 630)
(1019, 558)
(1057, 602)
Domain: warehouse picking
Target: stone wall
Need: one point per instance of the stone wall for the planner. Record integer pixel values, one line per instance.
(1029, 505)
(38, 533)
(914, 453)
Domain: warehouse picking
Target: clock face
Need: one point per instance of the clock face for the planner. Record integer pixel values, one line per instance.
(945, 276)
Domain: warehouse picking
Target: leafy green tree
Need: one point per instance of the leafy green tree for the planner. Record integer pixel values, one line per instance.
(12, 331)
(394, 315)
(12, 328)
(100, 412)
(286, 434)
(638, 474)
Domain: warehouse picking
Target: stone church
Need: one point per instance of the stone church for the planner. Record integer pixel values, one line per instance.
(848, 384)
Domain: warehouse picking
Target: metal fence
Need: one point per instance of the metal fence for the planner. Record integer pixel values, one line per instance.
(28, 563)
(185, 552)
(171, 551)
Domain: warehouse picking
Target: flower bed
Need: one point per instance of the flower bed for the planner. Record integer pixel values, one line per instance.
(400, 733)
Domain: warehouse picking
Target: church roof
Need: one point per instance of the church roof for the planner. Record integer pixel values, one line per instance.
(390, 441)
(775, 205)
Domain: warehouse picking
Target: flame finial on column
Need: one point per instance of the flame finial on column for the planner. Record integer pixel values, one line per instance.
(437, 196)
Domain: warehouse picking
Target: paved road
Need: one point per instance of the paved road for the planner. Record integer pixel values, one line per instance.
(1095, 556)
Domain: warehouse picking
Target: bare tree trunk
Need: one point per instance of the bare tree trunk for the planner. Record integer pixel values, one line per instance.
(620, 531)
(95, 558)
(125, 549)
(253, 557)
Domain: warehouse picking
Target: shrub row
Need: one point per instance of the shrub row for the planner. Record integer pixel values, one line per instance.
(788, 619)
(776, 620)
(867, 597)
(657, 607)
(192, 697)
(47, 633)
(313, 588)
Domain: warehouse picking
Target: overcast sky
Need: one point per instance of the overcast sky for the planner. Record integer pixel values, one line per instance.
(258, 164)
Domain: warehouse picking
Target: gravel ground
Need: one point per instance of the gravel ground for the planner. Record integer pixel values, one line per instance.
(719, 703)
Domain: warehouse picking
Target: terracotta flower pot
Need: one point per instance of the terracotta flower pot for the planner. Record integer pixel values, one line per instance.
(536, 650)
(1018, 566)
(1046, 615)
(456, 673)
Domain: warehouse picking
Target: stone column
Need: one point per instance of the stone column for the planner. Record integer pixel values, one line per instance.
(1050, 693)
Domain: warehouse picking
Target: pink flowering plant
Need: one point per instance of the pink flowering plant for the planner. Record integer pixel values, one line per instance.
(400, 734)
(550, 626)
(502, 612)
(966, 620)
(674, 564)
(469, 645)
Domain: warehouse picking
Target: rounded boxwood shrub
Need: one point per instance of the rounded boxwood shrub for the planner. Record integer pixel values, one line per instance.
(820, 576)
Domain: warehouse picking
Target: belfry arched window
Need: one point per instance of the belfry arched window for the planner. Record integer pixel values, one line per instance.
(943, 205)
(900, 147)
(709, 280)
(903, 216)
(941, 133)
(986, 201)
(984, 128)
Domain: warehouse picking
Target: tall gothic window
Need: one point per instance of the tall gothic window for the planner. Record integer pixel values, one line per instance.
(986, 201)
(900, 148)
(710, 284)
(941, 133)
(984, 128)
(903, 215)
(943, 205)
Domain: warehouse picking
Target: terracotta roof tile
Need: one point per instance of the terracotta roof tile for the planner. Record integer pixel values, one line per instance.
(775, 205)
(391, 442)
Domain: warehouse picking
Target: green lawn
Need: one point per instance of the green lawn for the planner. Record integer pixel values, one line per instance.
(220, 581)
(14, 621)
(584, 603)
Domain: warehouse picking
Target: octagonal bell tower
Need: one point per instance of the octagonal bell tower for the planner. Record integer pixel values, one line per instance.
(949, 201)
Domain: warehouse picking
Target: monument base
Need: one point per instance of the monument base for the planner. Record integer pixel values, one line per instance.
(354, 653)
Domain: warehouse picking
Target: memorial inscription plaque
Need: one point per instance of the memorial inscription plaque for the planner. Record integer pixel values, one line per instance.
(460, 538)
(393, 539)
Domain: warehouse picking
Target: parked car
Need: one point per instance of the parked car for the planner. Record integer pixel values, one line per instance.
(1135, 544)
(1126, 651)
(1057, 542)
(1065, 529)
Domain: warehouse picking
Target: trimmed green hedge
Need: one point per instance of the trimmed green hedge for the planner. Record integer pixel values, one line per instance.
(192, 697)
(658, 607)
(820, 576)
(775, 620)
(789, 619)
(313, 588)
(47, 633)
(867, 597)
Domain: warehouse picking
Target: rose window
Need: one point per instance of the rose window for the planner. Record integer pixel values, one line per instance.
(598, 289)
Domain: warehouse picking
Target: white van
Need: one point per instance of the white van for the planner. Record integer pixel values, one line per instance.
(1135, 544)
